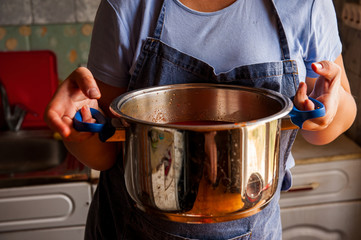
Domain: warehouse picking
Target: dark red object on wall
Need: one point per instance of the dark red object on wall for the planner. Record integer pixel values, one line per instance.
(30, 79)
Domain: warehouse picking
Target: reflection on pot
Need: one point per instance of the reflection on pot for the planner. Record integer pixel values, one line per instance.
(203, 176)
(166, 165)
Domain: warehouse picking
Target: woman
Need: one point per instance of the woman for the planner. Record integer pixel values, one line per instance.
(288, 46)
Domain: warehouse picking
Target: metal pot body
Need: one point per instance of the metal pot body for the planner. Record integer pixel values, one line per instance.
(223, 169)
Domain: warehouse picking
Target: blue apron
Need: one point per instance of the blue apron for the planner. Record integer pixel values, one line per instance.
(113, 214)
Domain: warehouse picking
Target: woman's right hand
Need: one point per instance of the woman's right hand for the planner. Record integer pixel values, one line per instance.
(78, 91)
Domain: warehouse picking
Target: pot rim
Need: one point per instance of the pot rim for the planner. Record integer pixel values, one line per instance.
(284, 101)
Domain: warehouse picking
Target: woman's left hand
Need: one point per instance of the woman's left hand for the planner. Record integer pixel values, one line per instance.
(326, 90)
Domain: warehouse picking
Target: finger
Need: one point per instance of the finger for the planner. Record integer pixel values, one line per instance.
(301, 100)
(327, 69)
(86, 82)
(301, 96)
(74, 135)
(86, 114)
(329, 81)
(56, 123)
(308, 105)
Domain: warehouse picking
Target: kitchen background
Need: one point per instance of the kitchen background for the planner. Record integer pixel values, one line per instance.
(64, 27)
(326, 199)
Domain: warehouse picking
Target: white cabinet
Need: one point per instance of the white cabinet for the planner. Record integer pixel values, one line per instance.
(54, 211)
(68, 233)
(331, 221)
(325, 200)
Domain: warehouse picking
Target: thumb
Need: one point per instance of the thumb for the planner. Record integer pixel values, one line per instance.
(301, 100)
(327, 69)
(86, 82)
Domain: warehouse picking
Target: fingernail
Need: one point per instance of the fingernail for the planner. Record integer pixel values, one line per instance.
(318, 65)
(93, 93)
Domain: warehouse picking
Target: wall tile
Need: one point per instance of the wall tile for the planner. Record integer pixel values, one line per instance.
(53, 11)
(86, 10)
(70, 43)
(15, 38)
(15, 12)
(351, 39)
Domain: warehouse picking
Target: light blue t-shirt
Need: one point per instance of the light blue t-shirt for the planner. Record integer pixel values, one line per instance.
(241, 34)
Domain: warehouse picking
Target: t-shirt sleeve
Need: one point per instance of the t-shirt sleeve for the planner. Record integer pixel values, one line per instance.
(110, 55)
(324, 42)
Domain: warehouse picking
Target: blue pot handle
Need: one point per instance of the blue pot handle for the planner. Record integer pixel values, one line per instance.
(103, 125)
(299, 117)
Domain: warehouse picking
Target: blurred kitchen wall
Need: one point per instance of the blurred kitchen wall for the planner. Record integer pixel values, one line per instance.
(350, 33)
(65, 27)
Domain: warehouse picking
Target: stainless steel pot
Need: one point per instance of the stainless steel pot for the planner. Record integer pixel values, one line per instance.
(184, 171)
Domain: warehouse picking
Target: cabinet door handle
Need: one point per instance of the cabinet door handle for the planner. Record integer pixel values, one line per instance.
(306, 187)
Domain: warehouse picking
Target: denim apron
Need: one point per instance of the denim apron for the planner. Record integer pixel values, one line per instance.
(113, 214)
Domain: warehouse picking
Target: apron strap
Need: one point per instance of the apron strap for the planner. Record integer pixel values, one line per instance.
(285, 51)
(160, 22)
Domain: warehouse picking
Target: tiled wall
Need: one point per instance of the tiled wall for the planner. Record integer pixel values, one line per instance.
(351, 39)
(351, 51)
(62, 26)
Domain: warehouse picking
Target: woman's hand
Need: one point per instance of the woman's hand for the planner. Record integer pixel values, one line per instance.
(326, 90)
(81, 91)
(78, 91)
(333, 90)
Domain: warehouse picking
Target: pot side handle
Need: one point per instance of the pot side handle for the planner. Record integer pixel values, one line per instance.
(299, 117)
(103, 125)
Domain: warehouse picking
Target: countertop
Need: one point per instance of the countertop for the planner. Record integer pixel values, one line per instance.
(342, 148)
(70, 170)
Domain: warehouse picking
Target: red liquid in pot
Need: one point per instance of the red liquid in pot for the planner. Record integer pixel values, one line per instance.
(201, 122)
